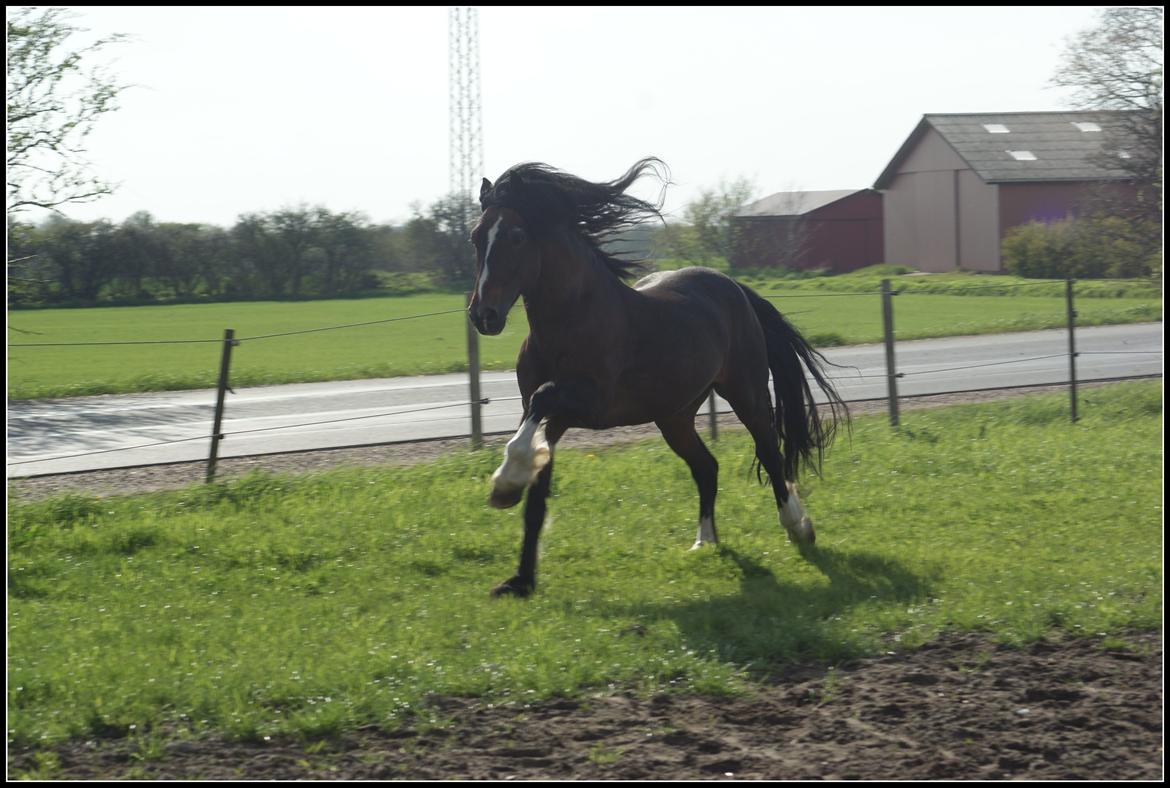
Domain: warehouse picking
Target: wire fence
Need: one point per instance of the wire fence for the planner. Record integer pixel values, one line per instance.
(476, 402)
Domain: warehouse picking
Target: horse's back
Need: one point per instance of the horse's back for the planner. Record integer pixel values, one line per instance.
(699, 290)
(701, 308)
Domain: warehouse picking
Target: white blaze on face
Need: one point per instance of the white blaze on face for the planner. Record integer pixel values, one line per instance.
(524, 457)
(491, 239)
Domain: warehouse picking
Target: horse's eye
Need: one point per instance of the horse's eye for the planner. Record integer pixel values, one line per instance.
(517, 236)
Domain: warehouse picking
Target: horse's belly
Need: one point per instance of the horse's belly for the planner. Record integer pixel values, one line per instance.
(654, 394)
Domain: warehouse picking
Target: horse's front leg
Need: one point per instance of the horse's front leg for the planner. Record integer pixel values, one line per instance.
(523, 582)
(525, 456)
(528, 464)
(530, 449)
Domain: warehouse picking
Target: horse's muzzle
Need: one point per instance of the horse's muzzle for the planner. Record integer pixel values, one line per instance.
(488, 321)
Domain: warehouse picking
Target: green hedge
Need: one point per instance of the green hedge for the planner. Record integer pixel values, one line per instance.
(1094, 248)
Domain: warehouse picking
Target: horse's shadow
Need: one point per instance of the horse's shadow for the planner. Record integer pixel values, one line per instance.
(770, 622)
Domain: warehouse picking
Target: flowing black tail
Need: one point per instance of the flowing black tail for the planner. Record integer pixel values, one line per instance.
(803, 434)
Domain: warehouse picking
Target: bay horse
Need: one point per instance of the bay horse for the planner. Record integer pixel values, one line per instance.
(601, 353)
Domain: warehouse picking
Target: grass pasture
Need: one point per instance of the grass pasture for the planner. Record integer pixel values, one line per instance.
(311, 605)
(932, 306)
(426, 345)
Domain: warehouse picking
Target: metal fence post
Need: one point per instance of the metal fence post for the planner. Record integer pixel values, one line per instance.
(1072, 348)
(888, 331)
(225, 363)
(473, 381)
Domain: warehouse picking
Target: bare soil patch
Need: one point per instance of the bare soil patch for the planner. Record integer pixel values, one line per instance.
(961, 707)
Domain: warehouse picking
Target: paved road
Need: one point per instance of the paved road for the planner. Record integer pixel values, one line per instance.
(259, 420)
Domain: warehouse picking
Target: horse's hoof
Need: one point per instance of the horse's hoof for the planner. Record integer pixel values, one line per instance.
(505, 499)
(514, 587)
(803, 534)
(698, 545)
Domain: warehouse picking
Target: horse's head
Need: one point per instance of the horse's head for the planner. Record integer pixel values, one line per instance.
(507, 263)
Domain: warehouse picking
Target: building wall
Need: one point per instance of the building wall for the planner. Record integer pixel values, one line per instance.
(1020, 203)
(847, 234)
(840, 237)
(920, 221)
(921, 228)
(978, 223)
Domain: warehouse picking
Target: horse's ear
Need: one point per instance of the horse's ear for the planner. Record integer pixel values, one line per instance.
(484, 189)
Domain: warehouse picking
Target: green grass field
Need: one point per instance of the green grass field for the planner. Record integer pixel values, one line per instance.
(315, 604)
(438, 343)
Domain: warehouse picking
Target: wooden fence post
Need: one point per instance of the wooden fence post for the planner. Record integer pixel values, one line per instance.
(888, 331)
(225, 363)
(473, 381)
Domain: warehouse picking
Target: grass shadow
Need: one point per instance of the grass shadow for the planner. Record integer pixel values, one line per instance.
(770, 621)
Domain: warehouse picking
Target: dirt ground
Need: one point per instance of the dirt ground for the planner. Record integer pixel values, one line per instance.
(958, 708)
(961, 707)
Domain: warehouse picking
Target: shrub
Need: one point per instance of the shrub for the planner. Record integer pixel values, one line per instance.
(1096, 247)
(1038, 251)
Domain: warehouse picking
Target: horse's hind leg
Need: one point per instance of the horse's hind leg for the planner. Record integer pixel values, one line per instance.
(680, 435)
(752, 406)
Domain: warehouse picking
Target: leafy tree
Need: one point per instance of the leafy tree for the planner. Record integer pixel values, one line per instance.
(186, 256)
(452, 218)
(139, 252)
(436, 239)
(84, 257)
(53, 102)
(294, 234)
(30, 273)
(208, 250)
(346, 246)
(708, 230)
(1117, 65)
(261, 264)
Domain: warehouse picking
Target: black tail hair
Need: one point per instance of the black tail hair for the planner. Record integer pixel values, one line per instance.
(803, 434)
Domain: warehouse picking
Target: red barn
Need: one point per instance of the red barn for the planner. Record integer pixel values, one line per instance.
(838, 231)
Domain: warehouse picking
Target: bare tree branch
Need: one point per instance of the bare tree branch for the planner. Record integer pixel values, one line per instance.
(52, 106)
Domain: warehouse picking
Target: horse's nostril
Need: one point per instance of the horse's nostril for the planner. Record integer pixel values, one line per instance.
(489, 316)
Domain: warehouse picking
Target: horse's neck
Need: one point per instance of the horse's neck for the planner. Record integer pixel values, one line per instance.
(576, 295)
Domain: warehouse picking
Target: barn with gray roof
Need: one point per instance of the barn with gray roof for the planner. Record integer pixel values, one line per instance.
(836, 231)
(960, 182)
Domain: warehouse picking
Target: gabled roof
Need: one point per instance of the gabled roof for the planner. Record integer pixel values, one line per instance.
(794, 203)
(1063, 151)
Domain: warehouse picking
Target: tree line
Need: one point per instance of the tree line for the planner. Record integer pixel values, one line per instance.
(291, 253)
(298, 252)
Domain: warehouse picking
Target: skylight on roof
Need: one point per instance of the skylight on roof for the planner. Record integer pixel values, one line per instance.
(1086, 126)
(1022, 155)
(997, 128)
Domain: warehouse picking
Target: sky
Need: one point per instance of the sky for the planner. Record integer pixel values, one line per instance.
(237, 110)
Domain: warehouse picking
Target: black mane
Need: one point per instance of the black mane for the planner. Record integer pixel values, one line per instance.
(551, 200)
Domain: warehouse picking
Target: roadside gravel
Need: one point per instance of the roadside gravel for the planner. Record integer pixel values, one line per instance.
(124, 481)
